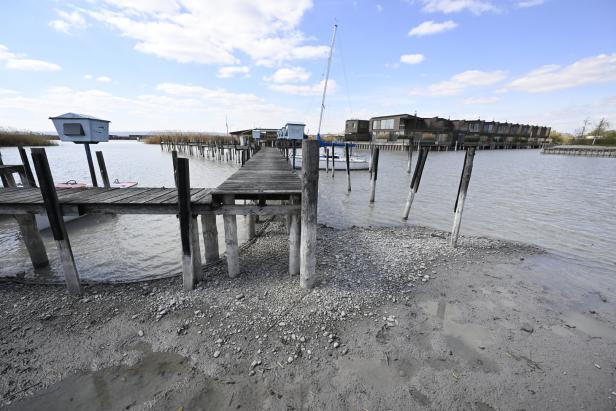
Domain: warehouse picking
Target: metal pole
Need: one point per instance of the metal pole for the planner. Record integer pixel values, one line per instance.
(329, 63)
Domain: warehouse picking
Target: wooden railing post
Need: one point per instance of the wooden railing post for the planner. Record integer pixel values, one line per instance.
(56, 221)
(189, 232)
(103, 169)
(462, 188)
(310, 195)
(174, 159)
(90, 164)
(27, 169)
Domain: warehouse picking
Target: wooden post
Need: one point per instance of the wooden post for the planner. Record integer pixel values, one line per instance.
(91, 165)
(419, 166)
(326, 160)
(252, 229)
(408, 168)
(333, 160)
(103, 168)
(347, 158)
(174, 159)
(294, 239)
(233, 254)
(375, 169)
(294, 149)
(210, 237)
(189, 229)
(27, 169)
(56, 221)
(463, 187)
(310, 196)
(27, 226)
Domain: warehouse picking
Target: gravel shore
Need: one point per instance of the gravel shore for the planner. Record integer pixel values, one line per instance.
(399, 320)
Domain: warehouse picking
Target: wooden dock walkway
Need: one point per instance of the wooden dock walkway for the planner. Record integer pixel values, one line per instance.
(590, 151)
(266, 177)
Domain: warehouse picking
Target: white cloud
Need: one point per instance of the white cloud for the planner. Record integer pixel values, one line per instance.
(379, 8)
(431, 27)
(103, 79)
(13, 61)
(231, 71)
(212, 32)
(6, 91)
(530, 3)
(454, 6)
(289, 75)
(88, 76)
(170, 106)
(590, 70)
(412, 58)
(480, 100)
(306, 89)
(68, 21)
(460, 82)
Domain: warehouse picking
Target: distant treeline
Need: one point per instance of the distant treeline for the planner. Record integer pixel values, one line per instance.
(185, 137)
(12, 138)
(597, 134)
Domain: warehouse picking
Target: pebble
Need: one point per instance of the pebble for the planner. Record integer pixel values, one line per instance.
(216, 354)
(140, 333)
(528, 328)
(290, 360)
(239, 296)
(598, 366)
(336, 344)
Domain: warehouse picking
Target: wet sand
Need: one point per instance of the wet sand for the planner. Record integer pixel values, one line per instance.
(399, 321)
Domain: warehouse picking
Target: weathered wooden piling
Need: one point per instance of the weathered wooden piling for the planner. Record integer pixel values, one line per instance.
(174, 160)
(375, 170)
(103, 168)
(56, 221)
(333, 160)
(27, 169)
(189, 229)
(310, 196)
(27, 222)
(326, 160)
(233, 253)
(347, 159)
(294, 239)
(465, 179)
(210, 237)
(419, 166)
(410, 160)
(90, 164)
(252, 226)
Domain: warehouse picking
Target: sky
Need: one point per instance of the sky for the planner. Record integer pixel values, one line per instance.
(200, 65)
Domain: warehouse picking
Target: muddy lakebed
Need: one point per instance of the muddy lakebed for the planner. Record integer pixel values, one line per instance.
(399, 320)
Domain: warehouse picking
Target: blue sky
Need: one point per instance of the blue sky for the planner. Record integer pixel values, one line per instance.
(190, 64)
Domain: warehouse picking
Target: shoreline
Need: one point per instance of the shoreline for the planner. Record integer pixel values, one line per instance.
(490, 328)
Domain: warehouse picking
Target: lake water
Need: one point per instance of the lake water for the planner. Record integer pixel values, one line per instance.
(564, 204)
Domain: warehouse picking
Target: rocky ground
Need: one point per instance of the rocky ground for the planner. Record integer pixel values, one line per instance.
(399, 321)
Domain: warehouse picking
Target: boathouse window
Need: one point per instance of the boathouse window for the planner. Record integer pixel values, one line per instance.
(73, 129)
(376, 124)
(387, 124)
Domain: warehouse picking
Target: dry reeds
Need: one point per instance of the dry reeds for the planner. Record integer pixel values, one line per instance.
(186, 137)
(12, 138)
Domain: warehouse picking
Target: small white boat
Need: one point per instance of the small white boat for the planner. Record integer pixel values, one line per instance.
(42, 222)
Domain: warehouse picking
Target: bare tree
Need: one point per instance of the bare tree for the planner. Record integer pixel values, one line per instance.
(600, 129)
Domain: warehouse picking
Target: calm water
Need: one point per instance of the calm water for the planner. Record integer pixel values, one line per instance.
(564, 204)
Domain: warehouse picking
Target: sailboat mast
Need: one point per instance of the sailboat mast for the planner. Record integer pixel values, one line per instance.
(329, 63)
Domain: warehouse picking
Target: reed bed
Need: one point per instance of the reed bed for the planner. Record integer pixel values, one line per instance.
(13, 138)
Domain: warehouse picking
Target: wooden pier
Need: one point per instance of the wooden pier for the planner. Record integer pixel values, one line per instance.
(266, 184)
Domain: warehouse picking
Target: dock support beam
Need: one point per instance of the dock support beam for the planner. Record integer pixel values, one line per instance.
(310, 196)
(464, 182)
(294, 239)
(91, 164)
(252, 227)
(233, 253)
(189, 233)
(56, 221)
(210, 237)
(347, 159)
